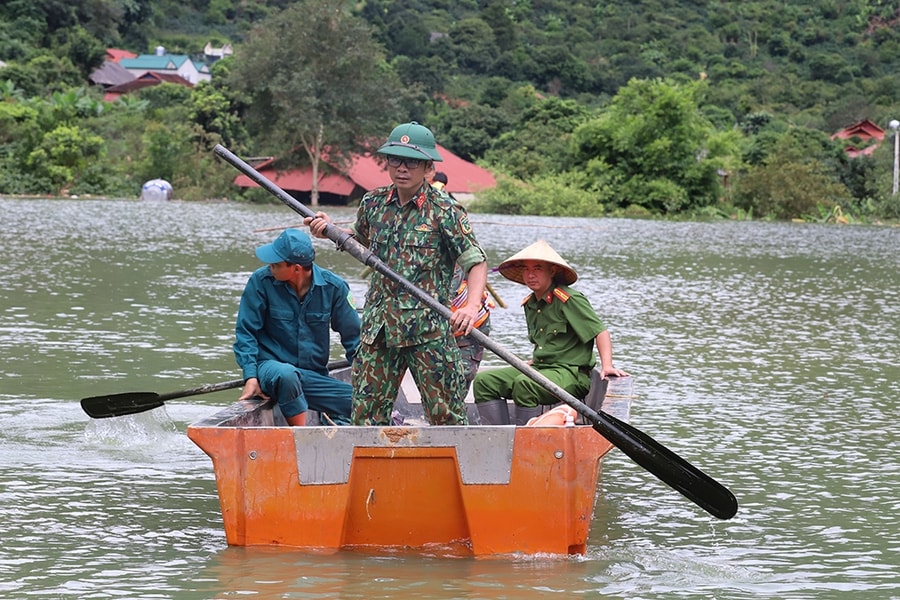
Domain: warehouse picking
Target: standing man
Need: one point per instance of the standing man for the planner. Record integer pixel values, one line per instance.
(470, 350)
(421, 234)
(564, 329)
(439, 180)
(282, 336)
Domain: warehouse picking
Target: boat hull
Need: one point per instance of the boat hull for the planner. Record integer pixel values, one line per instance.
(476, 490)
(492, 491)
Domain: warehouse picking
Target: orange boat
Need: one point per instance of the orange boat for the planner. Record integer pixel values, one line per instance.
(476, 490)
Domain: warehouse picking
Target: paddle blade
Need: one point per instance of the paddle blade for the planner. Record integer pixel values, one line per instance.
(680, 475)
(119, 405)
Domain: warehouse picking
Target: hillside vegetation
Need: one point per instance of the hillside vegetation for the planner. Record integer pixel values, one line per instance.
(652, 108)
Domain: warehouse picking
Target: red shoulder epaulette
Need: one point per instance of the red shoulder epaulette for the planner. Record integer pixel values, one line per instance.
(562, 295)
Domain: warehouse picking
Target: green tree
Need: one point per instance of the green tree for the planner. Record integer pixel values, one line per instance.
(217, 109)
(656, 139)
(789, 190)
(548, 195)
(470, 130)
(83, 50)
(165, 148)
(430, 73)
(795, 173)
(73, 105)
(559, 70)
(64, 155)
(408, 35)
(167, 97)
(316, 80)
(19, 132)
(49, 74)
(496, 14)
(474, 46)
(538, 143)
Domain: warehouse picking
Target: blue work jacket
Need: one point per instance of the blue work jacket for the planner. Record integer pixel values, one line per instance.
(273, 323)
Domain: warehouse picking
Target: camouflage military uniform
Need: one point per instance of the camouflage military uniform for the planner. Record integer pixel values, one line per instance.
(421, 240)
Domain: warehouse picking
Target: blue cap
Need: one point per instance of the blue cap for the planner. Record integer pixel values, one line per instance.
(293, 246)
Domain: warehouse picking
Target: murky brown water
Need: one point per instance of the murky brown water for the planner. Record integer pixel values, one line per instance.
(766, 354)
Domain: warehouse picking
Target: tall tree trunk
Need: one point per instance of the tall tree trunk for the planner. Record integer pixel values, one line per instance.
(314, 188)
(316, 156)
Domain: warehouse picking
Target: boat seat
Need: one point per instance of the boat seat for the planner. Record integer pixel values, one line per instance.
(597, 393)
(594, 398)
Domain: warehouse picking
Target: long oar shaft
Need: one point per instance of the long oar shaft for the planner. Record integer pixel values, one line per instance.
(670, 468)
(130, 403)
(203, 389)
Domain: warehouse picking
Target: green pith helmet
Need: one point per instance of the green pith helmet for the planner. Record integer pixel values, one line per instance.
(411, 140)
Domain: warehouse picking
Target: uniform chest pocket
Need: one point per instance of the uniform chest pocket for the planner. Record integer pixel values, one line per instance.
(281, 314)
(317, 318)
(551, 327)
(421, 247)
(560, 327)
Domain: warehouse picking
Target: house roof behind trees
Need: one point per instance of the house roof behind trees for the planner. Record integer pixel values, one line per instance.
(111, 73)
(161, 62)
(115, 54)
(867, 132)
(366, 172)
(110, 94)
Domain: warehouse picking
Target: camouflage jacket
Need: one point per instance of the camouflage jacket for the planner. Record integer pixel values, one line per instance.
(421, 241)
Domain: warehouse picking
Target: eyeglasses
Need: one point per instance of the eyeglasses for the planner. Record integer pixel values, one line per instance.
(411, 163)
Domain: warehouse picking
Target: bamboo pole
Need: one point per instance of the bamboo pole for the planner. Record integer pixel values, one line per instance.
(495, 295)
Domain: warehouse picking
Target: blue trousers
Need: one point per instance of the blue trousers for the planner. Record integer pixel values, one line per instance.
(298, 390)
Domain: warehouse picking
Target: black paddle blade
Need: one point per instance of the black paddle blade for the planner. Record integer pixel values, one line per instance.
(119, 405)
(691, 482)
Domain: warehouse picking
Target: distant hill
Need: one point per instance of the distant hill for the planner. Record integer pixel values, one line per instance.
(828, 62)
(506, 83)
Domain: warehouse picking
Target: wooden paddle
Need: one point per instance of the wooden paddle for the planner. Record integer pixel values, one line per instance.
(129, 403)
(670, 468)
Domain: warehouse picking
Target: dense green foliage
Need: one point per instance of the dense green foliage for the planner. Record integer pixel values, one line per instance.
(327, 103)
(656, 108)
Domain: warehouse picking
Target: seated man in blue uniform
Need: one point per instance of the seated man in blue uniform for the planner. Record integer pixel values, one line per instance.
(283, 331)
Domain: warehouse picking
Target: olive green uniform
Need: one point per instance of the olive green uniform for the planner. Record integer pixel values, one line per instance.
(563, 327)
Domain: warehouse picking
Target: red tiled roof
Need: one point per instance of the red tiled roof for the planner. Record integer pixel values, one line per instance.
(863, 130)
(115, 55)
(368, 172)
(298, 180)
(463, 177)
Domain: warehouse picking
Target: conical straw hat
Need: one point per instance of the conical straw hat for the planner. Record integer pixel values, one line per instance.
(512, 267)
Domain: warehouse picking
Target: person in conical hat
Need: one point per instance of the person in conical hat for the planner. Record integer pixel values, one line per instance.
(421, 234)
(512, 268)
(564, 329)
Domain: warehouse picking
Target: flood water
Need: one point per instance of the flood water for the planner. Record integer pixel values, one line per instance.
(764, 353)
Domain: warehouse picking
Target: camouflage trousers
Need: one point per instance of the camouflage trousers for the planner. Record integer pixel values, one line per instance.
(435, 367)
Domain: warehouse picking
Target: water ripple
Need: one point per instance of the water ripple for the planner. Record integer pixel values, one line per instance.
(763, 353)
